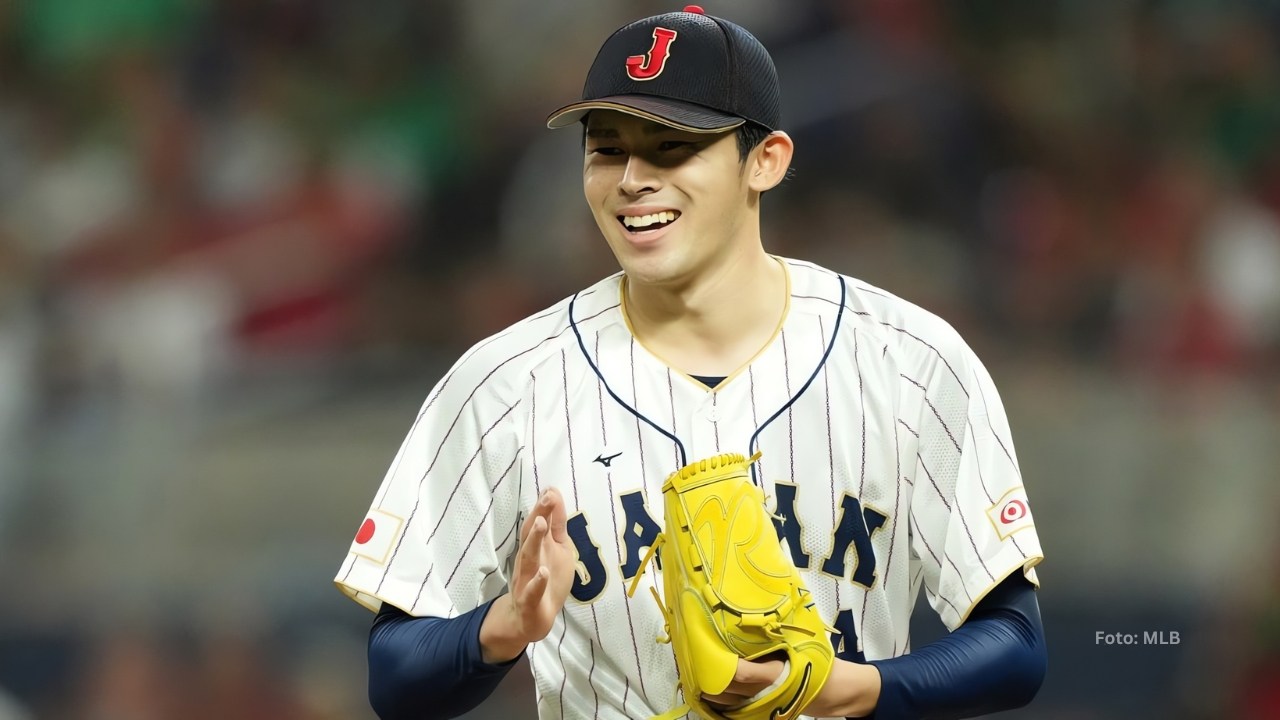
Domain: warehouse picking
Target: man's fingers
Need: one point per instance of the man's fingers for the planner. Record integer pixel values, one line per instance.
(750, 678)
(755, 674)
(724, 700)
(532, 592)
(559, 521)
(541, 508)
(531, 549)
(550, 505)
(736, 693)
(527, 525)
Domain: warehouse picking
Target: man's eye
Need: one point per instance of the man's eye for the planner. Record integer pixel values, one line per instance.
(606, 151)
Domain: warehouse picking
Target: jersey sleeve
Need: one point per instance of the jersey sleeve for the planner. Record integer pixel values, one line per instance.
(442, 526)
(970, 519)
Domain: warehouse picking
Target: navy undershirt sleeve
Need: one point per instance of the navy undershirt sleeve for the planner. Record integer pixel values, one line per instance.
(428, 667)
(995, 661)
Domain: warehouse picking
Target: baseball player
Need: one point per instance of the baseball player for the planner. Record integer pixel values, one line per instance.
(527, 491)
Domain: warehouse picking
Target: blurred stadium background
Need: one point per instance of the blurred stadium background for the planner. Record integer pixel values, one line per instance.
(241, 239)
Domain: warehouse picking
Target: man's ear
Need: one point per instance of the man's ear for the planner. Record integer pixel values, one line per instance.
(769, 161)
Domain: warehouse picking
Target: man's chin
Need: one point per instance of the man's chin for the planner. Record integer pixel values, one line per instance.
(652, 270)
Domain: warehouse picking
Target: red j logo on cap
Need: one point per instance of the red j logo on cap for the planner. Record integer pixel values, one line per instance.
(651, 64)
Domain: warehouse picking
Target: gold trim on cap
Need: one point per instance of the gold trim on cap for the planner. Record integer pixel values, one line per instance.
(584, 107)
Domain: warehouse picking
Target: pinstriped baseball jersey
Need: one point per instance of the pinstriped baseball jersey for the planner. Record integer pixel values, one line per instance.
(884, 447)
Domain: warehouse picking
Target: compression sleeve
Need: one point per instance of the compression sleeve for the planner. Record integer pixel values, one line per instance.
(428, 667)
(995, 661)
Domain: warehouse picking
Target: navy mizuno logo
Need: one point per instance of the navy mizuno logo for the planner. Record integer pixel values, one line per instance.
(606, 461)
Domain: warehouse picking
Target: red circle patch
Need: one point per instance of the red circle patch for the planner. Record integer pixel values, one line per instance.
(366, 531)
(1013, 511)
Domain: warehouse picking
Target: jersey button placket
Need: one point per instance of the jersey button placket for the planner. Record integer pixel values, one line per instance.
(704, 428)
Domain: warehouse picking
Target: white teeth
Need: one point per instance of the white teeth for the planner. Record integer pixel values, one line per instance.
(642, 221)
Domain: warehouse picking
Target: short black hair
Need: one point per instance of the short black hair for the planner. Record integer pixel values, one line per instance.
(749, 136)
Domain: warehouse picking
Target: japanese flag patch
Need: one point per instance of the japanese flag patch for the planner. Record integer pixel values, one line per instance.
(376, 536)
(1011, 513)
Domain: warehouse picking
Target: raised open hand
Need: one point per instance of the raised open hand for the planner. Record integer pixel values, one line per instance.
(544, 568)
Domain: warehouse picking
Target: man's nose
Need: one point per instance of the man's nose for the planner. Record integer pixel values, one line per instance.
(640, 177)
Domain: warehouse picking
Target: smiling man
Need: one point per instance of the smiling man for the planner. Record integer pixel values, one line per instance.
(528, 490)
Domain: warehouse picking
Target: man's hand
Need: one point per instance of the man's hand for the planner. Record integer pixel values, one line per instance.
(752, 677)
(544, 568)
(540, 584)
(851, 691)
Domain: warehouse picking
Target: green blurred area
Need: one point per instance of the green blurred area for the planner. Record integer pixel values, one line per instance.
(63, 34)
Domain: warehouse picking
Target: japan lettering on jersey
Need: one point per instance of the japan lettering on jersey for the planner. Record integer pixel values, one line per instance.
(885, 448)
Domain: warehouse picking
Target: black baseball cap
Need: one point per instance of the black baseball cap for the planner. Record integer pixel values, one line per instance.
(685, 69)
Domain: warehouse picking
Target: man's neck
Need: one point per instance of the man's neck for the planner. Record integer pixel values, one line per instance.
(716, 322)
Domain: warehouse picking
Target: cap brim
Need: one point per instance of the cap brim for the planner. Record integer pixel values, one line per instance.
(675, 113)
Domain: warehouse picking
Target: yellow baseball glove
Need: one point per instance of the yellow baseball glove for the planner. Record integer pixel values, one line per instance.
(731, 592)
